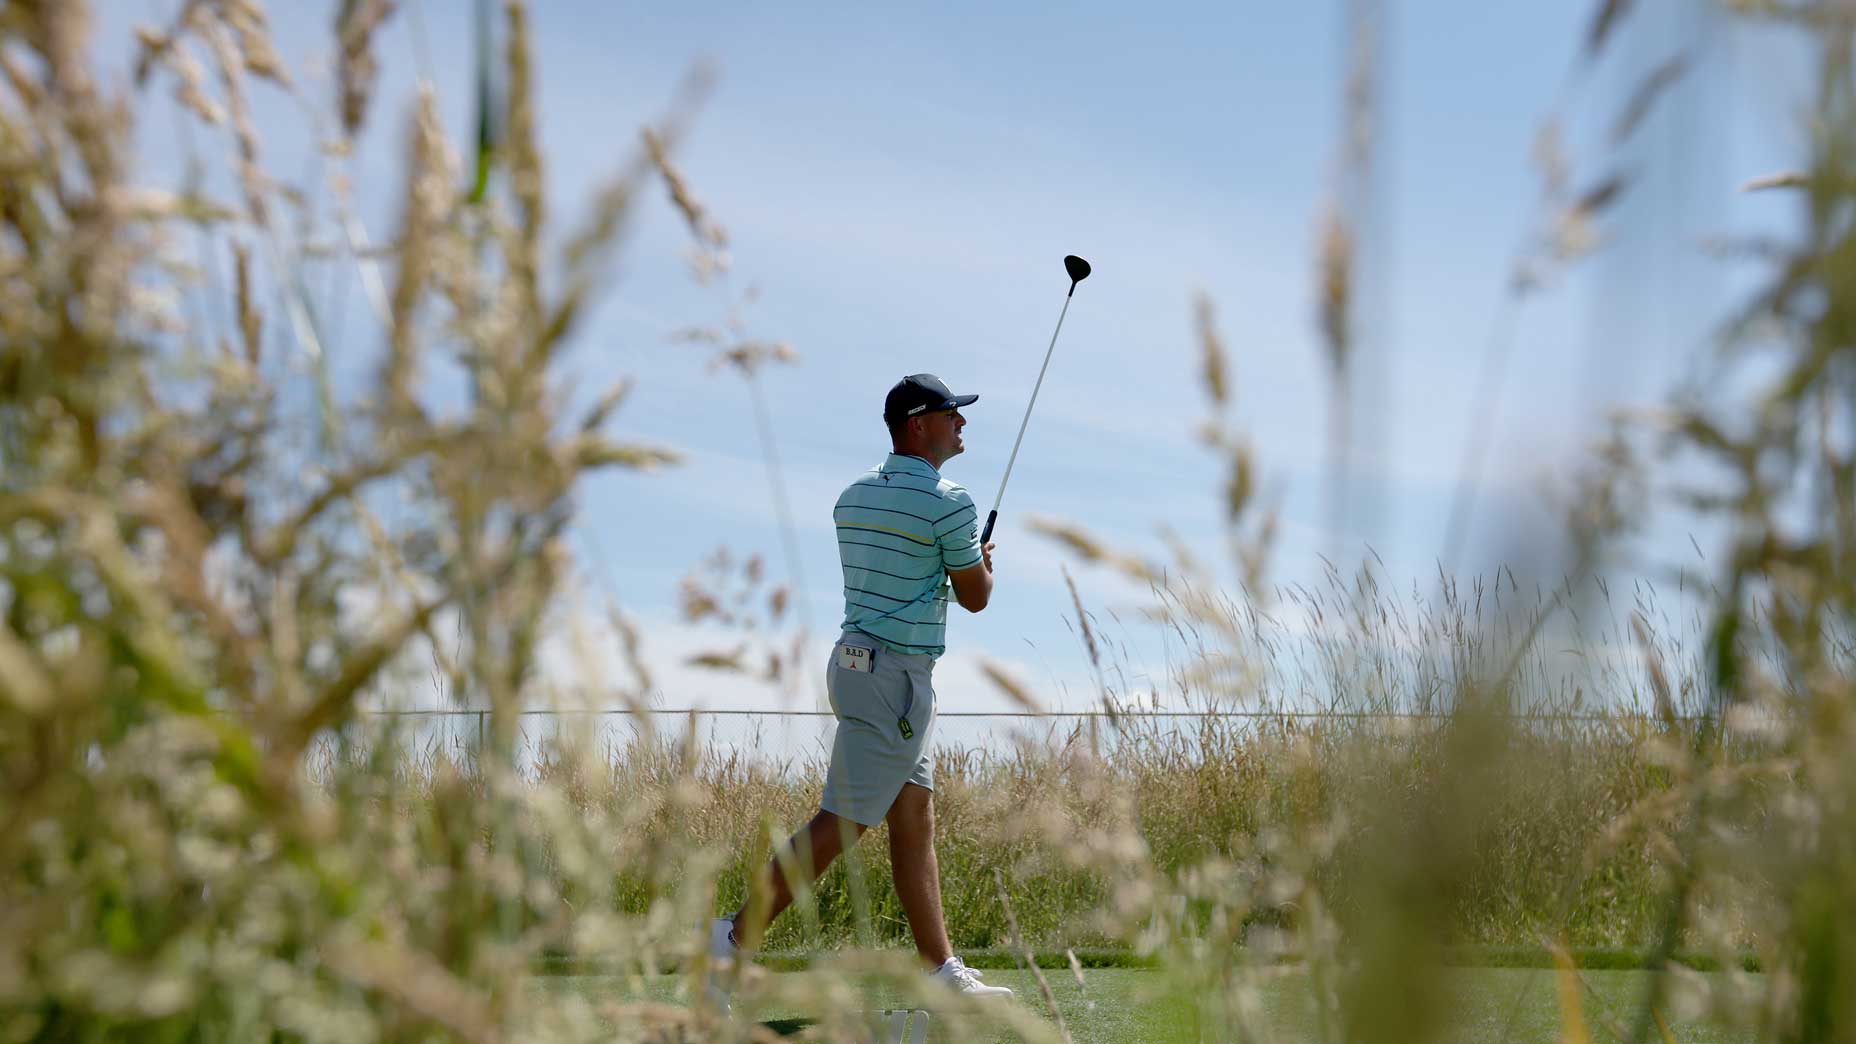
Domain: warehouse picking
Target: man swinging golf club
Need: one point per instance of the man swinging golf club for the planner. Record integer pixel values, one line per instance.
(904, 535)
(902, 529)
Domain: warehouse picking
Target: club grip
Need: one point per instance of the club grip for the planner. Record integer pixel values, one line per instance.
(986, 534)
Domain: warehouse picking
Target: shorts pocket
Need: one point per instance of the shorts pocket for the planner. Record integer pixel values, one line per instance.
(853, 694)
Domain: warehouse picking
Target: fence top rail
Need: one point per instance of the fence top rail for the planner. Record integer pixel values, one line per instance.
(778, 713)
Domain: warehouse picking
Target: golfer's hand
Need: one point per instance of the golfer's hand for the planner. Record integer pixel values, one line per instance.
(986, 556)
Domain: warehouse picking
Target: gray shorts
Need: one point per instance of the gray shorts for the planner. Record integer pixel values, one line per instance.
(874, 752)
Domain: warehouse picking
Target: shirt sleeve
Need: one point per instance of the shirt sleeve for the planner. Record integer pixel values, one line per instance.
(957, 531)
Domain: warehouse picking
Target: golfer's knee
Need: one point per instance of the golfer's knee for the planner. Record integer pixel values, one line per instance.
(914, 805)
(829, 828)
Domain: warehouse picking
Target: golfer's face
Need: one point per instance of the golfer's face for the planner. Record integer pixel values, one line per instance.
(944, 431)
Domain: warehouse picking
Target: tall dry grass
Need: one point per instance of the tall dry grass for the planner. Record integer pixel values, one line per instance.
(198, 583)
(1582, 750)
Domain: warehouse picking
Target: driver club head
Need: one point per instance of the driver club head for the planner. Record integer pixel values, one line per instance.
(1077, 267)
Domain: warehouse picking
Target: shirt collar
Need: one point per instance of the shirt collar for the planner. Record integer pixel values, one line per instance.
(910, 462)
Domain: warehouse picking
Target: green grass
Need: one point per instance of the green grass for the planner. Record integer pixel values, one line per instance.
(1135, 1006)
(1591, 958)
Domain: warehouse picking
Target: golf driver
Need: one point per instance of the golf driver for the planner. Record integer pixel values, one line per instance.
(1079, 271)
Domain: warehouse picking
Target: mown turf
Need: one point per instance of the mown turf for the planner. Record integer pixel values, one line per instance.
(1594, 958)
(1135, 1006)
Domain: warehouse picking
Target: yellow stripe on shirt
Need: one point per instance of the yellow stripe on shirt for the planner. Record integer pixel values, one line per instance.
(918, 538)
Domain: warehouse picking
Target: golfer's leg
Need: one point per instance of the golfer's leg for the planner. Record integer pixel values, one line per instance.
(918, 874)
(808, 854)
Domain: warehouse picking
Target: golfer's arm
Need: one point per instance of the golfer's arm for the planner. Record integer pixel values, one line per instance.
(972, 586)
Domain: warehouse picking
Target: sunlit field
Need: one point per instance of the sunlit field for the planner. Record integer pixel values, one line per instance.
(1552, 806)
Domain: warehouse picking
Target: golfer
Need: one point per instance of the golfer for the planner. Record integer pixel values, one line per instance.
(904, 535)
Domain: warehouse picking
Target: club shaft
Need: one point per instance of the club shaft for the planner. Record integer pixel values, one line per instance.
(1013, 459)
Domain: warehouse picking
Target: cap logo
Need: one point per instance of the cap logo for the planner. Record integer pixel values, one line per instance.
(918, 409)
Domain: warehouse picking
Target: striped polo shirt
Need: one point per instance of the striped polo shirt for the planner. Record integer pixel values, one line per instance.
(901, 527)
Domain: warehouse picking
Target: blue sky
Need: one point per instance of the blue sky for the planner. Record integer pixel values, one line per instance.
(900, 183)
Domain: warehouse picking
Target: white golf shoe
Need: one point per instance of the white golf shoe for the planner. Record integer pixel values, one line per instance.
(724, 962)
(962, 979)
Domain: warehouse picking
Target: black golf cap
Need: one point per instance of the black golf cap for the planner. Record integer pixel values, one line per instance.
(918, 393)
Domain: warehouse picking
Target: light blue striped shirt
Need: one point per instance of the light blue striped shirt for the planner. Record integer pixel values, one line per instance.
(901, 527)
